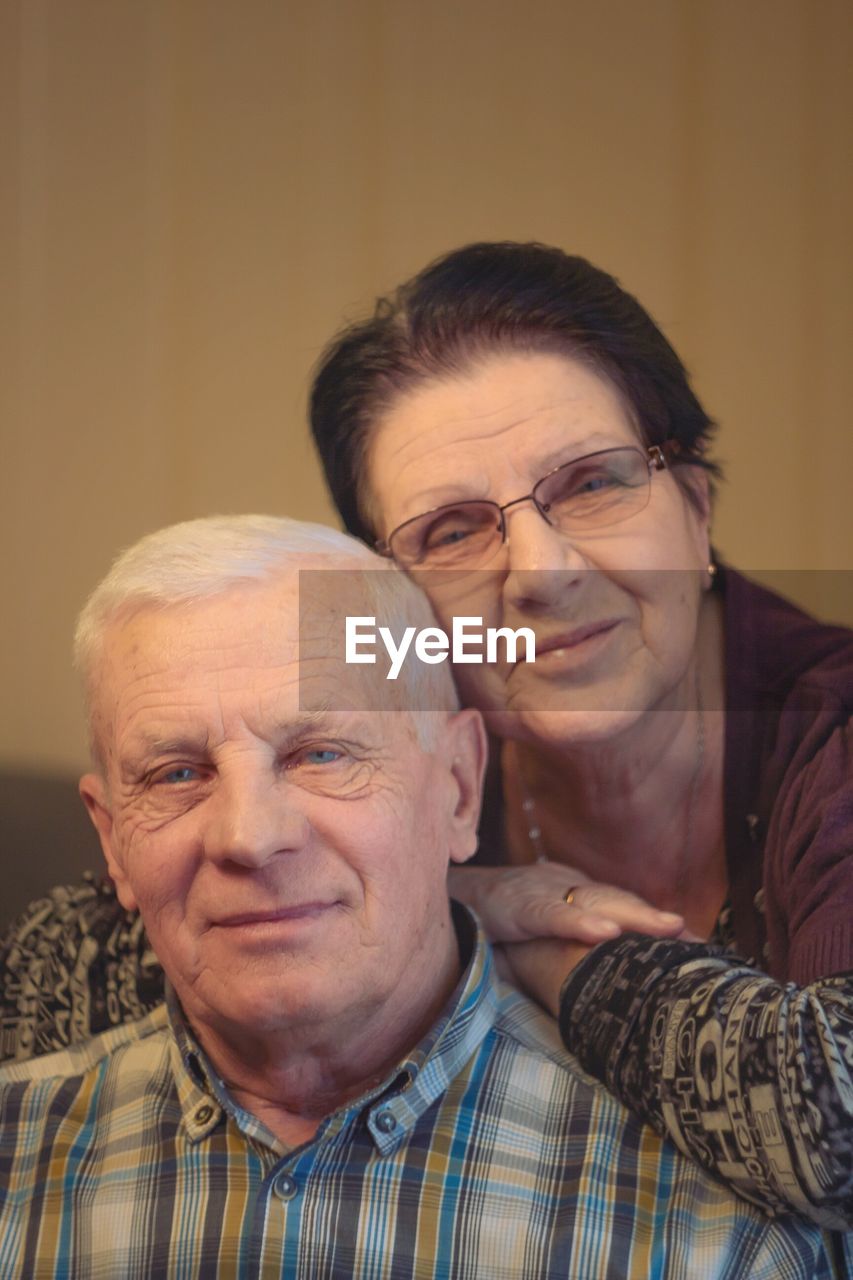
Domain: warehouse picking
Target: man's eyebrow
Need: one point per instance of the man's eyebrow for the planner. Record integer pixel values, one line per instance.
(147, 746)
(323, 720)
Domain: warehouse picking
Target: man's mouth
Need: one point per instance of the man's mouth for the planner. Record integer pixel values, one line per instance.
(275, 915)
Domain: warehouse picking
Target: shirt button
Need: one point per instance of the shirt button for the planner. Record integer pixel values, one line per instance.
(386, 1122)
(204, 1113)
(285, 1186)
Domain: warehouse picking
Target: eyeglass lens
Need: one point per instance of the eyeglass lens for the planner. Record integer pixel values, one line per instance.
(592, 492)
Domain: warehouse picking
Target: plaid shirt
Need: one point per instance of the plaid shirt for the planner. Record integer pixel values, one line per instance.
(486, 1154)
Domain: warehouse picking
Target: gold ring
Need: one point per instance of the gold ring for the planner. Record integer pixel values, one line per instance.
(569, 895)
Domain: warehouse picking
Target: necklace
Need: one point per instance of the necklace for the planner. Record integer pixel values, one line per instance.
(534, 829)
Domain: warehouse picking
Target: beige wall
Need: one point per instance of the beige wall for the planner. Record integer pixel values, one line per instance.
(195, 192)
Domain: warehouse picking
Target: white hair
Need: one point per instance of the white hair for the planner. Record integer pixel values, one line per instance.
(200, 558)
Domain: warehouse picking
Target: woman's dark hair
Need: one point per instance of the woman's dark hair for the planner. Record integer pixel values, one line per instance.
(481, 300)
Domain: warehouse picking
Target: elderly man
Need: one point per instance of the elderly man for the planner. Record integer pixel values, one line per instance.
(337, 1084)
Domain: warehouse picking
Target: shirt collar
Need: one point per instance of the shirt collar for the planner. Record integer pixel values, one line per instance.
(392, 1108)
(427, 1071)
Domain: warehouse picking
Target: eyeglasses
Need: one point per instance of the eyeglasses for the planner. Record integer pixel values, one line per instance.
(593, 492)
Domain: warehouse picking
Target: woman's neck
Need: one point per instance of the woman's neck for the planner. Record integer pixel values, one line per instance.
(643, 811)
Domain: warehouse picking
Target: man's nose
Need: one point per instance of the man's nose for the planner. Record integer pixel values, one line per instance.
(544, 565)
(252, 818)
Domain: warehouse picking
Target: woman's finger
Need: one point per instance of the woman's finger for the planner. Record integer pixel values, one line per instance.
(624, 908)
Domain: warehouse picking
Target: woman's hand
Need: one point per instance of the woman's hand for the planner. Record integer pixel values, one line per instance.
(517, 904)
(540, 937)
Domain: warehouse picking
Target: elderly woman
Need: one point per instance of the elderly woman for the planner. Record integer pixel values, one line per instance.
(514, 430)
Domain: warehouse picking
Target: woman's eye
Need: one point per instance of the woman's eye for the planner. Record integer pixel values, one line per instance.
(591, 484)
(449, 536)
(587, 481)
(444, 533)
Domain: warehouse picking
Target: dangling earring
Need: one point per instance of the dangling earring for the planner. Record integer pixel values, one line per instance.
(712, 572)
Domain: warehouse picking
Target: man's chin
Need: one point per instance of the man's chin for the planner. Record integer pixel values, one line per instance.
(270, 1007)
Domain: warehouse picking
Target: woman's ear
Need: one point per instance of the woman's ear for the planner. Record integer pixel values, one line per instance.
(469, 750)
(697, 497)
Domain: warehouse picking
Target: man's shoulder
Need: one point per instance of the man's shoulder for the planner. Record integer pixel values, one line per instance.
(145, 1039)
(521, 1021)
(531, 1038)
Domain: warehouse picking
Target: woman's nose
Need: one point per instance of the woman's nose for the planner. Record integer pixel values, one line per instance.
(543, 564)
(252, 819)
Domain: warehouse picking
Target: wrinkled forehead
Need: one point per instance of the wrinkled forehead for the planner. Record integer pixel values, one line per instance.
(153, 657)
(264, 652)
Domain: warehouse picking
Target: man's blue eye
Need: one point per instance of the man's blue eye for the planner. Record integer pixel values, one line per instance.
(322, 755)
(183, 773)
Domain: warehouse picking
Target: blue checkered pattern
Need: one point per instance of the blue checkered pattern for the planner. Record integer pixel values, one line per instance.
(485, 1154)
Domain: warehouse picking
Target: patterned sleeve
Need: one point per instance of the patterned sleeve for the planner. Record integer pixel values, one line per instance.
(73, 965)
(750, 1078)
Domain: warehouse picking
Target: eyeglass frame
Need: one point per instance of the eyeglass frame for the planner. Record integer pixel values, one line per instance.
(655, 458)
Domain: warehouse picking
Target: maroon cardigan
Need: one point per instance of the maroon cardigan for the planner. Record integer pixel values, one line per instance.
(788, 783)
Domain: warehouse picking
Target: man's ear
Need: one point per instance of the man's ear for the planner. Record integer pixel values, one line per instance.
(468, 751)
(93, 791)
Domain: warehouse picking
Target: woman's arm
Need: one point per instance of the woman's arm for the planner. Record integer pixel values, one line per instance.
(751, 1078)
(73, 964)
